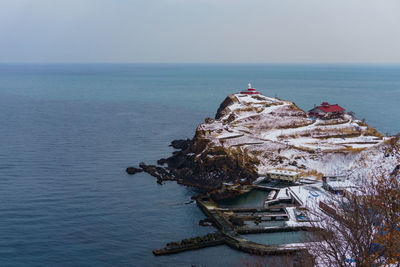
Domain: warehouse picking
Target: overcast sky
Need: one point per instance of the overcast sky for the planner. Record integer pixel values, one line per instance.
(224, 31)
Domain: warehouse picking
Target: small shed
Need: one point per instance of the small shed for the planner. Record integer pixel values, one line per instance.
(337, 184)
(283, 175)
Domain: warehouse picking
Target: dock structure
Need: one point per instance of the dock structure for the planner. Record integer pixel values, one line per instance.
(191, 244)
(211, 210)
(235, 240)
(245, 245)
(229, 233)
(264, 187)
(295, 196)
(272, 216)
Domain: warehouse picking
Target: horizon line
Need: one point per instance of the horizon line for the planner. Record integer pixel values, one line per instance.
(200, 63)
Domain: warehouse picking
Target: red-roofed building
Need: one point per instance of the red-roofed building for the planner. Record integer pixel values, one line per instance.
(250, 91)
(327, 111)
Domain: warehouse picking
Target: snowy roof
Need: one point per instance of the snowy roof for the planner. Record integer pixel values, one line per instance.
(325, 107)
(334, 178)
(337, 185)
(283, 172)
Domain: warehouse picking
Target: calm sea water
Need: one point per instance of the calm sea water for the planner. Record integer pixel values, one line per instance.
(67, 133)
(252, 199)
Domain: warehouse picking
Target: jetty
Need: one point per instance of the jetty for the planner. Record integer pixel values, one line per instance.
(230, 222)
(191, 243)
(232, 232)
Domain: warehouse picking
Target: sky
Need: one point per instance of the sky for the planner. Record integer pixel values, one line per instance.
(200, 31)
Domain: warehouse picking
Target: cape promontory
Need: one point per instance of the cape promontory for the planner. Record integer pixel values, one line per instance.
(252, 133)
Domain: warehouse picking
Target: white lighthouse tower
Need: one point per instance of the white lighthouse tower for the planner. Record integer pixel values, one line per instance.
(250, 90)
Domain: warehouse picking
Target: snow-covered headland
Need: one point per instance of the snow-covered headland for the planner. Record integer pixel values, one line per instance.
(253, 133)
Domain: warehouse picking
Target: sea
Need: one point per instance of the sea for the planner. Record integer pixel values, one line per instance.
(68, 131)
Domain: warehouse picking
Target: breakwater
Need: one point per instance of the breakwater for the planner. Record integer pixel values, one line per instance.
(231, 227)
(191, 243)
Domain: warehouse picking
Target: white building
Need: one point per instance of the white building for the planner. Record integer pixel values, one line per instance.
(283, 175)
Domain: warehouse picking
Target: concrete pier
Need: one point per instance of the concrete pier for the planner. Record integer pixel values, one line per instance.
(230, 222)
(191, 244)
(232, 233)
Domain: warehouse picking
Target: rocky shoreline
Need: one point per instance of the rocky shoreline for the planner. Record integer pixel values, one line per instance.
(204, 173)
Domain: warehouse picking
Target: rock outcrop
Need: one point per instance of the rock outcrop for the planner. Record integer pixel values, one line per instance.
(133, 170)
